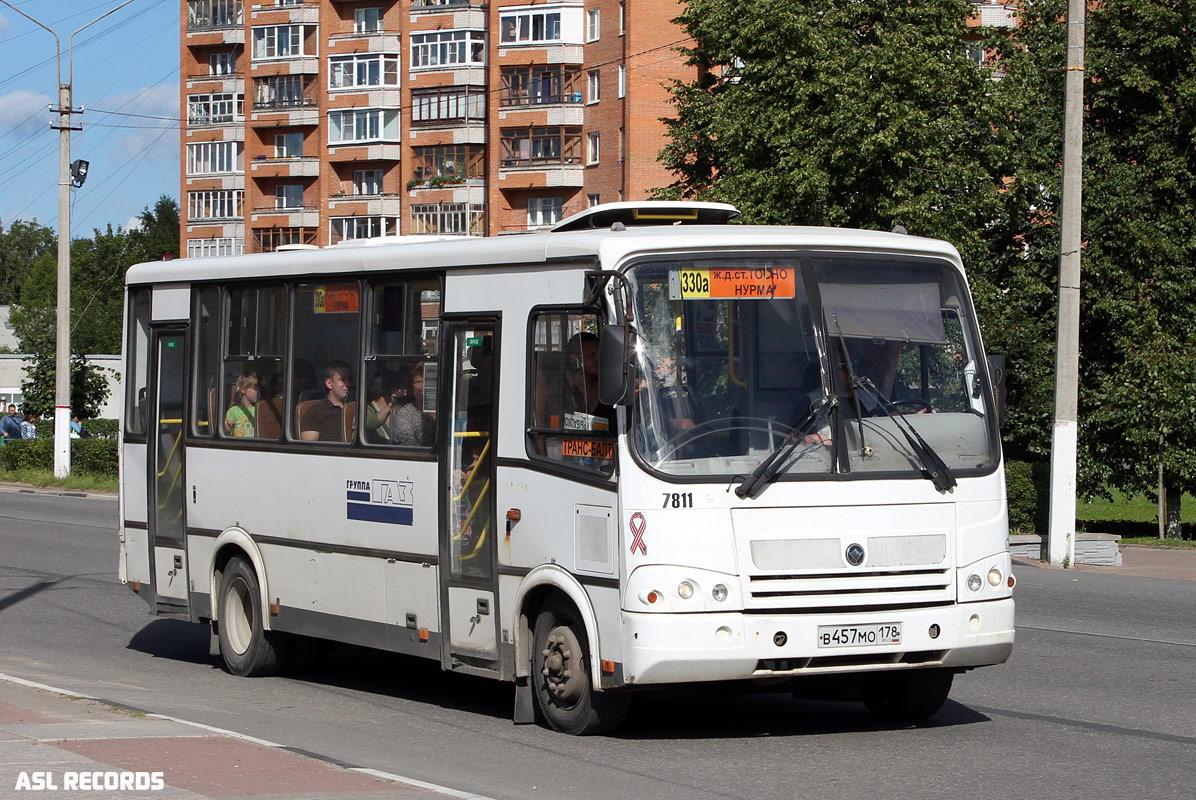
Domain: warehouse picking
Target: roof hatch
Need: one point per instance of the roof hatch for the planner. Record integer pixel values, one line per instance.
(649, 213)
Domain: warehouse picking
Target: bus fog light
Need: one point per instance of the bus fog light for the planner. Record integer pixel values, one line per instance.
(719, 593)
(722, 635)
(974, 582)
(685, 590)
(994, 577)
(974, 622)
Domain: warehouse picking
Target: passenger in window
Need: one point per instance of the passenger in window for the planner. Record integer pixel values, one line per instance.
(410, 425)
(383, 397)
(582, 368)
(324, 420)
(241, 419)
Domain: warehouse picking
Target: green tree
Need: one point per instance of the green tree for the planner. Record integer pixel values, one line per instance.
(1138, 340)
(840, 113)
(158, 236)
(20, 246)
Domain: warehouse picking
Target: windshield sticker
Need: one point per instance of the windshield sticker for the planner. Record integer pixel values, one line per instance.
(767, 283)
(335, 299)
(380, 500)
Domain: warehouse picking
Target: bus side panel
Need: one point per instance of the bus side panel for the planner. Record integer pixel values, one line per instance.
(328, 526)
(569, 524)
(133, 485)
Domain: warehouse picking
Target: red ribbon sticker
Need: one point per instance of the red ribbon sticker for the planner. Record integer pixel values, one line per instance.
(638, 524)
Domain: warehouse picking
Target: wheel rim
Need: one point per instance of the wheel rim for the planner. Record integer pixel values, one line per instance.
(238, 616)
(564, 676)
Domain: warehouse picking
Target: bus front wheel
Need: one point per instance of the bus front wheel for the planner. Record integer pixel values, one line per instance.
(247, 648)
(906, 696)
(561, 675)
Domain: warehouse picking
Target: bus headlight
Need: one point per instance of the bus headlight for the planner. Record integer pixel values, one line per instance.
(974, 582)
(994, 577)
(719, 592)
(685, 590)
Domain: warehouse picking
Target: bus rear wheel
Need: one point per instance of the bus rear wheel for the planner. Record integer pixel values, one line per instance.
(247, 648)
(561, 676)
(906, 696)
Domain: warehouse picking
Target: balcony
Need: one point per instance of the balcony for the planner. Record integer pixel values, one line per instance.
(354, 151)
(291, 217)
(301, 167)
(571, 114)
(226, 84)
(215, 22)
(377, 205)
(376, 41)
(288, 12)
(542, 172)
(997, 15)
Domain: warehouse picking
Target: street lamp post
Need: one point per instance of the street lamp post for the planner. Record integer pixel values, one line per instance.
(62, 359)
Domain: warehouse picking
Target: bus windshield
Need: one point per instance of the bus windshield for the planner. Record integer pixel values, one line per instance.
(821, 362)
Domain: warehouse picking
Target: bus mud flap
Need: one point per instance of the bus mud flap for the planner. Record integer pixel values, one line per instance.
(525, 710)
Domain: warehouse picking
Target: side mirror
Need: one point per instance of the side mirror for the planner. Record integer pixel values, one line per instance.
(996, 373)
(615, 372)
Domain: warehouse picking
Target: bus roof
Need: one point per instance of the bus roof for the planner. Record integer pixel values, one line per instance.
(583, 247)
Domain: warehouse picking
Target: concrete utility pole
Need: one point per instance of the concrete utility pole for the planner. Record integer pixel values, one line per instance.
(62, 359)
(1065, 434)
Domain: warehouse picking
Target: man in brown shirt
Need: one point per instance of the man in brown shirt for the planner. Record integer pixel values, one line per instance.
(325, 421)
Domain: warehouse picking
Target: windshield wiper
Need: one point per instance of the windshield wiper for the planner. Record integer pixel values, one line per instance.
(770, 467)
(935, 468)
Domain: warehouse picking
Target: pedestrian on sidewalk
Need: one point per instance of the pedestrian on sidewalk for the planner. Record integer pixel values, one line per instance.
(10, 425)
(29, 427)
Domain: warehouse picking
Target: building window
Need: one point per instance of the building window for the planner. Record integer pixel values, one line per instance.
(461, 219)
(220, 246)
(550, 145)
(593, 85)
(283, 91)
(593, 153)
(544, 211)
(448, 48)
(622, 81)
(593, 25)
(214, 14)
(622, 18)
(451, 161)
(212, 109)
(288, 145)
(217, 204)
(214, 158)
(363, 125)
(531, 26)
(288, 195)
(446, 105)
(280, 41)
(534, 85)
(267, 240)
(222, 64)
(344, 228)
(367, 182)
(367, 20)
(592, 200)
(358, 70)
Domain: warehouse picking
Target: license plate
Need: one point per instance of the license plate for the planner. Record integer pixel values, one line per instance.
(859, 635)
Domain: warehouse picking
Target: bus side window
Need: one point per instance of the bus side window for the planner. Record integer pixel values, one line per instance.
(137, 363)
(567, 423)
(206, 406)
(250, 392)
(325, 347)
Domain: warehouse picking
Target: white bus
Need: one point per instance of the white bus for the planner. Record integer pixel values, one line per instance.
(608, 457)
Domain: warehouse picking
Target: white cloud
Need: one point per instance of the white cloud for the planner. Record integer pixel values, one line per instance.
(133, 223)
(19, 113)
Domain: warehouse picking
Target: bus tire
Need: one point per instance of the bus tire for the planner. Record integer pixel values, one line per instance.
(561, 677)
(247, 648)
(907, 696)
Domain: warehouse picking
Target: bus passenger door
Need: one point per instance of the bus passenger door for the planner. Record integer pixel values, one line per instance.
(167, 478)
(467, 527)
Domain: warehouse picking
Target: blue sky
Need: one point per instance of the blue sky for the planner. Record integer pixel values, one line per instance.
(126, 76)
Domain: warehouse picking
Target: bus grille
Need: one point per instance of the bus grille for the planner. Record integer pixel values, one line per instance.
(834, 591)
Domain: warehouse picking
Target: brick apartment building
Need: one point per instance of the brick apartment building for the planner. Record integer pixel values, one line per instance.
(318, 121)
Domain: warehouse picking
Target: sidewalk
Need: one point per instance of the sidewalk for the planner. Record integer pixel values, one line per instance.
(86, 748)
(1141, 561)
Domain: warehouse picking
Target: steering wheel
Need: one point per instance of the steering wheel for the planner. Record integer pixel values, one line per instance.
(916, 403)
(712, 427)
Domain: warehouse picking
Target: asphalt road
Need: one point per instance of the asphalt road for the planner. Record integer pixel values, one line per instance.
(1099, 698)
